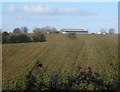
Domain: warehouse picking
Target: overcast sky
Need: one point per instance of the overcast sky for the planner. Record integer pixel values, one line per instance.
(79, 15)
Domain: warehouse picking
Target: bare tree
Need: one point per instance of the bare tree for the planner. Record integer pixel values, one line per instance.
(53, 30)
(46, 29)
(103, 31)
(42, 30)
(111, 31)
(37, 30)
(24, 29)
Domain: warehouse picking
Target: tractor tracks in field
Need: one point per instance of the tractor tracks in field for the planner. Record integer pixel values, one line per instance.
(19, 63)
(19, 67)
(33, 65)
(76, 57)
(73, 65)
(63, 62)
(37, 57)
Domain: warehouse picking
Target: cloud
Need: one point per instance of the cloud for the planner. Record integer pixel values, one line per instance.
(38, 9)
(11, 8)
(47, 9)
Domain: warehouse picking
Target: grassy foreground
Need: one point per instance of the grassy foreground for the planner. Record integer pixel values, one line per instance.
(61, 55)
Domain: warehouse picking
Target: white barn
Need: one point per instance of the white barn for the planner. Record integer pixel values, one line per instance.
(76, 31)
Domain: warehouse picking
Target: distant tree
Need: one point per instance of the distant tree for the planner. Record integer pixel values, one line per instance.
(111, 31)
(103, 31)
(39, 37)
(45, 29)
(71, 36)
(5, 34)
(5, 37)
(37, 30)
(24, 29)
(17, 30)
(42, 30)
(53, 30)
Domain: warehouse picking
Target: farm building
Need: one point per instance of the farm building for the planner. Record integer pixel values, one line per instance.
(77, 31)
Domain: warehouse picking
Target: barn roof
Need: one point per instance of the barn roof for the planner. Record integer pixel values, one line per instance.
(74, 30)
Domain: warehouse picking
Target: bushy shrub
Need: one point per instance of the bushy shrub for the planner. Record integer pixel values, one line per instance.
(71, 36)
(20, 39)
(5, 37)
(84, 79)
(39, 37)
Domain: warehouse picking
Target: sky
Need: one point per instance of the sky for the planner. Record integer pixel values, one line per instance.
(73, 15)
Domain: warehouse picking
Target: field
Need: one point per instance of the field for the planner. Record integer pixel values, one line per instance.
(62, 55)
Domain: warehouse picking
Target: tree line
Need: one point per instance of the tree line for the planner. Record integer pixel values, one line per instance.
(37, 36)
(103, 31)
(22, 38)
(110, 31)
(43, 30)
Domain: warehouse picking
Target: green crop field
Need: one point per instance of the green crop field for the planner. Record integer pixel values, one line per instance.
(61, 55)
